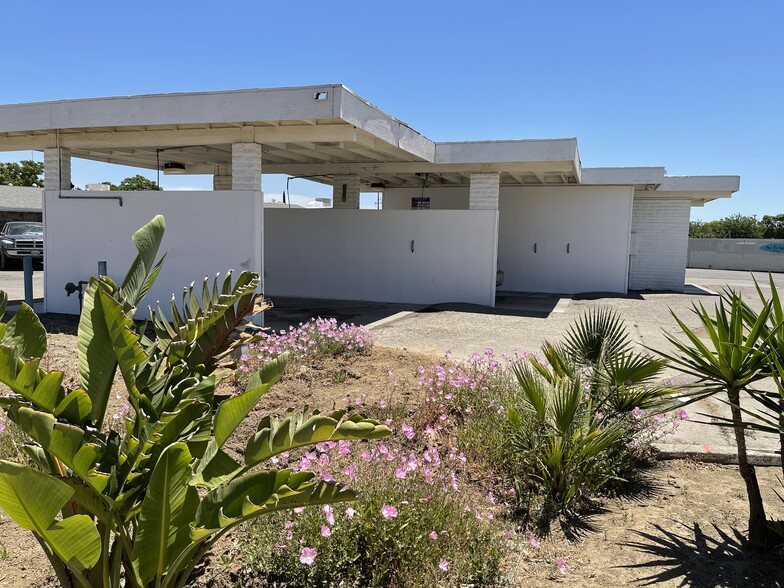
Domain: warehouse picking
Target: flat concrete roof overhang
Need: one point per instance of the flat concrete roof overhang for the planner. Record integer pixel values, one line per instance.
(653, 182)
(315, 132)
(310, 131)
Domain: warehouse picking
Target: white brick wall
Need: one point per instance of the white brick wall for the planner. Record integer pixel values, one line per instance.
(52, 171)
(660, 243)
(246, 166)
(352, 191)
(483, 193)
(221, 179)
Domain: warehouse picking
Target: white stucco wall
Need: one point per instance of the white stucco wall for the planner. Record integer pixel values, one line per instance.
(660, 243)
(566, 239)
(593, 220)
(206, 233)
(366, 255)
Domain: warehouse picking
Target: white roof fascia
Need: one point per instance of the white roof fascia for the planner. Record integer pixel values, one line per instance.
(623, 176)
(727, 184)
(499, 152)
(232, 106)
(364, 115)
(698, 189)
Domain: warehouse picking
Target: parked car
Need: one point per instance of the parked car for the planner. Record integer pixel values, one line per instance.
(19, 239)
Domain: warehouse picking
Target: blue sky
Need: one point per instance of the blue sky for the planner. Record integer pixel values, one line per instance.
(695, 86)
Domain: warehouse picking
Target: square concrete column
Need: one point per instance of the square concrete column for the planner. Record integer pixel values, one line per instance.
(246, 166)
(345, 191)
(483, 192)
(57, 169)
(221, 179)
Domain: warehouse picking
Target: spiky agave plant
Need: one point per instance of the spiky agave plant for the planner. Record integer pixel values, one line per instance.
(143, 506)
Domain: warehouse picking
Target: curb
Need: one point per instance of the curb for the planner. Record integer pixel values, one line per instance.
(756, 458)
(390, 319)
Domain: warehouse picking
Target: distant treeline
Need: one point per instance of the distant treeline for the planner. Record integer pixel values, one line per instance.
(738, 226)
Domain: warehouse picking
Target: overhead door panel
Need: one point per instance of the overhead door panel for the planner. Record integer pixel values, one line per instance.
(565, 240)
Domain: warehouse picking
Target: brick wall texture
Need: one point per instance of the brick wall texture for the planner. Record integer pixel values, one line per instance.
(660, 243)
(483, 194)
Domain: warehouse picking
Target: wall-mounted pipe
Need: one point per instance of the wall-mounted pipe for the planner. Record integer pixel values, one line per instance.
(118, 198)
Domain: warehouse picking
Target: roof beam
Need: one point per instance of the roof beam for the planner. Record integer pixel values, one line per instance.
(183, 138)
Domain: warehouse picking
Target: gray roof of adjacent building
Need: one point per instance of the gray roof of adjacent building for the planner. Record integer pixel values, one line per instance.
(20, 199)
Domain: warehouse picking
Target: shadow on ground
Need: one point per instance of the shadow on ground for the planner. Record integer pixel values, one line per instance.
(707, 560)
(506, 304)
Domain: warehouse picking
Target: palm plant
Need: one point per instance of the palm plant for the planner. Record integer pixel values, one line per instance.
(620, 377)
(572, 423)
(565, 451)
(141, 507)
(729, 363)
(774, 402)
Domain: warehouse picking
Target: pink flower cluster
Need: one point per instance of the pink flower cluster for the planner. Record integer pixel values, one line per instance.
(384, 463)
(310, 340)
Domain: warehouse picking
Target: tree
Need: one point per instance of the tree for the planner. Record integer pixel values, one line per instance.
(137, 183)
(736, 226)
(25, 173)
(773, 226)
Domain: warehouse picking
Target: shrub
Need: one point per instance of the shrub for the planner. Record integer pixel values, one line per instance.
(315, 339)
(416, 525)
(142, 506)
(558, 426)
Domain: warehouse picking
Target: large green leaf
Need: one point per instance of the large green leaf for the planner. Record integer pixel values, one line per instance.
(25, 332)
(301, 428)
(233, 411)
(77, 449)
(33, 499)
(129, 354)
(260, 493)
(142, 272)
(95, 353)
(168, 509)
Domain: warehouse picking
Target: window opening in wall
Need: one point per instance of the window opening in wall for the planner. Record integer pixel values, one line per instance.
(320, 96)
(343, 195)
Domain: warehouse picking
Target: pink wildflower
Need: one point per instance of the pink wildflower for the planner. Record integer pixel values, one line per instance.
(307, 556)
(388, 512)
(533, 541)
(400, 474)
(329, 514)
(443, 564)
(433, 535)
(683, 415)
(350, 512)
(561, 565)
(325, 531)
(637, 412)
(408, 431)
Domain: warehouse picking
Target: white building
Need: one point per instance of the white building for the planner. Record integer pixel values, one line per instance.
(452, 212)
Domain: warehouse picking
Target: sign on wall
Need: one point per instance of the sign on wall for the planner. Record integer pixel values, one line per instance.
(420, 203)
